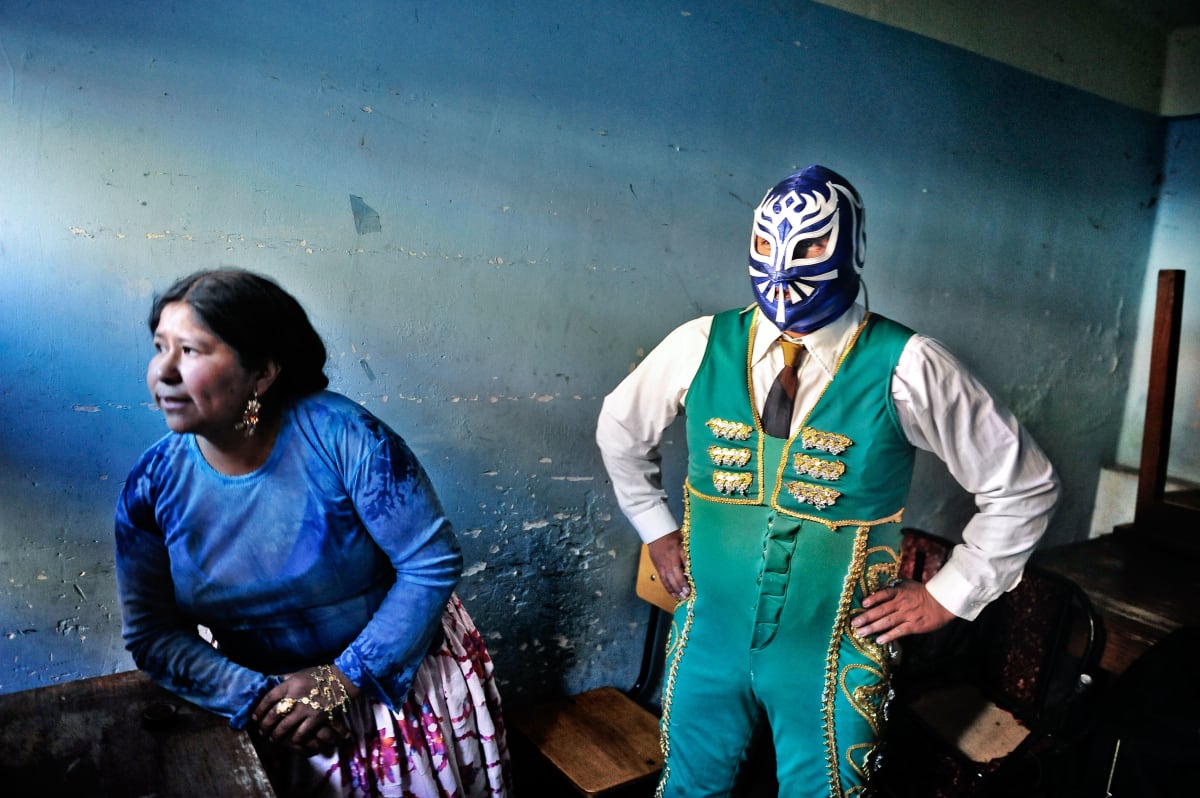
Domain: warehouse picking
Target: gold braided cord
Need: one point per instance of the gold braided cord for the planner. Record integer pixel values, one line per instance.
(829, 693)
(750, 378)
(678, 642)
(871, 702)
(859, 767)
(779, 472)
(834, 525)
(873, 578)
(865, 699)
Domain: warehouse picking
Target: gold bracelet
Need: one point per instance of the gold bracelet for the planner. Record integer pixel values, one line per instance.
(329, 696)
(332, 692)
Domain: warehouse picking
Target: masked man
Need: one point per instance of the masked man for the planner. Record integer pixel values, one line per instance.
(803, 415)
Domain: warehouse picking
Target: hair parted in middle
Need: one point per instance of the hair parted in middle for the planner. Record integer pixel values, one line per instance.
(260, 321)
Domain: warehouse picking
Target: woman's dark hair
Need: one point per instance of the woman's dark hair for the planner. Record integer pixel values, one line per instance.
(260, 321)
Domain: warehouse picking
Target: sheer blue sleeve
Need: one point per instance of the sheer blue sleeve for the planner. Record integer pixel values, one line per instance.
(400, 510)
(164, 642)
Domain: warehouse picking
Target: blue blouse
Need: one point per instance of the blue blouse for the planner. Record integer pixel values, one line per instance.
(334, 550)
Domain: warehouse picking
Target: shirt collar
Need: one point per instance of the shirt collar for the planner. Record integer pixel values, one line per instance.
(825, 346)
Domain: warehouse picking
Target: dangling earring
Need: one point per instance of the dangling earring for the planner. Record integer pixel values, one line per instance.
(249, 422)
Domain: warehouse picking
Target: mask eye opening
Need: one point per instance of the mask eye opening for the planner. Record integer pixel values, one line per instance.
(807, 248)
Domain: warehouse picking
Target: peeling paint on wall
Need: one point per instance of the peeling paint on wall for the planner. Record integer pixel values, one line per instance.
(535, 212)
(366, 218)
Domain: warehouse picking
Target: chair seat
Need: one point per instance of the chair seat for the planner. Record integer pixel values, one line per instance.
(600, 740)
(965, 719)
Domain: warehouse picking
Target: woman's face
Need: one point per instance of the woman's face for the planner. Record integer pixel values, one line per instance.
(196, 378)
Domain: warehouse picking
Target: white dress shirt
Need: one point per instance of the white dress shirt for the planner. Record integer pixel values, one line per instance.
(942, 408)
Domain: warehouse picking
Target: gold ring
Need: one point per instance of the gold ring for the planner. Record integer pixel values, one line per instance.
(284, 706)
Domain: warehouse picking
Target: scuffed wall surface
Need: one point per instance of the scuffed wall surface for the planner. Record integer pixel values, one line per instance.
(1111, 50)
(1176, 245)
(556, 187)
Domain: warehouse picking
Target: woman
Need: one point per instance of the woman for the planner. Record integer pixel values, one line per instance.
(304, 535)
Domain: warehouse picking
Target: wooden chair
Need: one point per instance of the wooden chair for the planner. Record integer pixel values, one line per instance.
(603, 742)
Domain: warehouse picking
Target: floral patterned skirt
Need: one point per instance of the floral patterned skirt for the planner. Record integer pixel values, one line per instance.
(447, 740)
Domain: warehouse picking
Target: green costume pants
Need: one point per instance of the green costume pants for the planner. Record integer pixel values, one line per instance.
(766, 635)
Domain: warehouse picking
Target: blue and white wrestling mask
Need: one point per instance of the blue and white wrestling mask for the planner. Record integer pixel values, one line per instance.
(807, 249)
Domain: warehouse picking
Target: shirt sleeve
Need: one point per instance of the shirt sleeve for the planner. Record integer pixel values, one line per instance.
(945, 410)
(633, 419)
(163, 640)
(400, 510)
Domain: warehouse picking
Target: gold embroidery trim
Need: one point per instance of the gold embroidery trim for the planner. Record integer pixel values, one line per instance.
(822, 441)
(727, 482)
(866, 699)
(859, 756)
(677, 643)
(834, 525)
(870, 701)
(727, 456)
(729, 430)
(817, 467)
(840, 625)
(819, 496)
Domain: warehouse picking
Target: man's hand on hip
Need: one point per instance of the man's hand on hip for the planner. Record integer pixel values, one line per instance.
(667, 555)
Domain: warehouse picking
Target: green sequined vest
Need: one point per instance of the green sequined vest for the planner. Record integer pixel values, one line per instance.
(849, 462)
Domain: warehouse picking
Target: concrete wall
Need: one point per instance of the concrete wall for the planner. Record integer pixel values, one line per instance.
(557, 186)
(1143, 56)
(1126, 66)
(1175, 245)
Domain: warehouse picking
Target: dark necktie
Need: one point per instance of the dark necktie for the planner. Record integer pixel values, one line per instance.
(777, 411)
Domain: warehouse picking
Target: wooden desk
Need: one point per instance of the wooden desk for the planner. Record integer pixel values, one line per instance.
(1142, 593)
(103, 738)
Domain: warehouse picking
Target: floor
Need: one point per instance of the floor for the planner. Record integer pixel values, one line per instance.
(532, 776)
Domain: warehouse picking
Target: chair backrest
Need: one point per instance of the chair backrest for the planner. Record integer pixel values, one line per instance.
(922, 554)
(1037, 645)
(649, 586)
(662, 608)
(1031, 650)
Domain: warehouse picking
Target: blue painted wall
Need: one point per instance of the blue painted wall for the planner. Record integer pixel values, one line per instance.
(557, 186)
(1175, 245)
